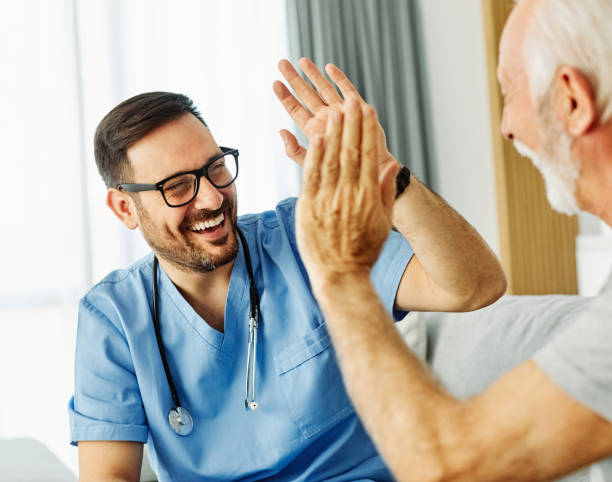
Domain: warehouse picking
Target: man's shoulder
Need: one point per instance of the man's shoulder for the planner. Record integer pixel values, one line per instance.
(121, 282)
(272, 232)
(273, 226)
(283, 212)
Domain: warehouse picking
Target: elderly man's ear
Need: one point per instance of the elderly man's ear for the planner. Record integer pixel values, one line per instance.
(123, 206)
(574, 101)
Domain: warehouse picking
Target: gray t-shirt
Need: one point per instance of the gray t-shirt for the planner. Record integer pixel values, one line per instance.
(579, 359)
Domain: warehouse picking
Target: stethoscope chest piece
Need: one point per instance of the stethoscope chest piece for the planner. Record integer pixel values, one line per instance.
(180, 420)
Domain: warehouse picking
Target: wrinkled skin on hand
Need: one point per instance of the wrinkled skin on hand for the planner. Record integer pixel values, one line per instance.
(312, 114)
(343, 215)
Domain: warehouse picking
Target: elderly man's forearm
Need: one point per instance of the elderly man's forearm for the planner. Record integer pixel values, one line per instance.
(391, 390)
(455, 257)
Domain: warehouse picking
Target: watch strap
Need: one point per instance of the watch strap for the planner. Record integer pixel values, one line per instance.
(402, 181)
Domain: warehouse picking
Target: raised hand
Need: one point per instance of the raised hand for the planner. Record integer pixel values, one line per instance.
(312, 112)
(343, 215)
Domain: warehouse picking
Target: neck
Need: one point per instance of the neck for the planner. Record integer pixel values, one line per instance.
(594, 189)
(205, 292)
(194, 281)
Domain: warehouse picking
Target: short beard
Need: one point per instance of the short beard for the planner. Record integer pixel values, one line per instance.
(555, 161)
(186, 256)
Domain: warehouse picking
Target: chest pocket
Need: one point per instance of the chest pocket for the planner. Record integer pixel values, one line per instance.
(312, 384)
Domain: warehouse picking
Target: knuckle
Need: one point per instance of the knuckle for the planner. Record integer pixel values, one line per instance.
(349, 154)
(370, 152)
(330, 171)
(294, 108)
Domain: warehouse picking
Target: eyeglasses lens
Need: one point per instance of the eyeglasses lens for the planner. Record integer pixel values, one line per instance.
(182, 189)
(223, 171)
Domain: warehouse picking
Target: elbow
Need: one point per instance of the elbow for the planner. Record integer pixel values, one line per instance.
(489, 292)
(489, 287)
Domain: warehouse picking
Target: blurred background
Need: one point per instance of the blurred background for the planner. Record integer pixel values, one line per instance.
(426, 65)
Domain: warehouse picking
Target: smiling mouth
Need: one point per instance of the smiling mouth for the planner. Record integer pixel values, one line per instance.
(208, 226)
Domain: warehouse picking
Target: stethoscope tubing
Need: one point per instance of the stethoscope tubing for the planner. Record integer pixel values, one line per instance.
(180, 418)
(158, 336)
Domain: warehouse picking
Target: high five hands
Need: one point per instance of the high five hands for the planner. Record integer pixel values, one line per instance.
(312, 112)
(343, 215)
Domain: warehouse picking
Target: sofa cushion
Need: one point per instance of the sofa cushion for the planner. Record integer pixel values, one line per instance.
(29, 460)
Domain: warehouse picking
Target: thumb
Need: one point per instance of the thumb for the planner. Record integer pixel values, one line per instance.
(292, 147)
(386, 180)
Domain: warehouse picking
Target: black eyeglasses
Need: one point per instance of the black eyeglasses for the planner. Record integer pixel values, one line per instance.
(180, 189)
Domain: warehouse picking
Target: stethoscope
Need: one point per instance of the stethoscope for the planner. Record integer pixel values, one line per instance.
(179, 417)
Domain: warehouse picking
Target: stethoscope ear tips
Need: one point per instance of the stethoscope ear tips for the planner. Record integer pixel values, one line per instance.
(180, 420)
(250, 405)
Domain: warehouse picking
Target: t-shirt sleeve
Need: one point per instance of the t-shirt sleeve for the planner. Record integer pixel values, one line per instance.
(579, 359)
(388, 270)
(106, 404)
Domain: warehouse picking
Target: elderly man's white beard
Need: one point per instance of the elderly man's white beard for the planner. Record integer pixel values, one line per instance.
(559, 170)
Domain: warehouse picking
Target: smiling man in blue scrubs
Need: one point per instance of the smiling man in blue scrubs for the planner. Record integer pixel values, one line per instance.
(304, 427)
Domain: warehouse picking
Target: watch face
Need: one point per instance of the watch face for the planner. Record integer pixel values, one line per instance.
(402, 180)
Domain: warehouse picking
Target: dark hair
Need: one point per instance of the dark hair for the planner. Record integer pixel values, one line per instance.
(129, 122)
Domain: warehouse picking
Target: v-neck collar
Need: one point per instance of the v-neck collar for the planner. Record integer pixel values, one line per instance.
(236, 307)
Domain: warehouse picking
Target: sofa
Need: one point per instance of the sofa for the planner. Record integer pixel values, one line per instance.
(469, 351)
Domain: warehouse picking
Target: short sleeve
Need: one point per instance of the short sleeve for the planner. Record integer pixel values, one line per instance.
(106, 404)
(579, 359)
(388, 270)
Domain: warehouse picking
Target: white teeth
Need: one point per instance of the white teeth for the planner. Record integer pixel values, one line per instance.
(211, 223)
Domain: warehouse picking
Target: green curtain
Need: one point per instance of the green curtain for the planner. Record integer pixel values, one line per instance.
(377, 44)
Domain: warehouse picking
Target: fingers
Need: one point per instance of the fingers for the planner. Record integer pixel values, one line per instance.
(296, 110)
(351, 143)
(330, 166)
(292, 147)
(325, 89)
(311, 179)
(342, 81)
(304, 91)
(369, 168)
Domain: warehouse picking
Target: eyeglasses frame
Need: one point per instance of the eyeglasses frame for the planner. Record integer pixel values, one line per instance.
(202, 171)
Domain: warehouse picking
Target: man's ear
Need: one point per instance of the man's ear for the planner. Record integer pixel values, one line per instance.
(574, 101)
(123, 206)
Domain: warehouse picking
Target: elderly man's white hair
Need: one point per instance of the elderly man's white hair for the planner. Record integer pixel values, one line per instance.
(576, 33)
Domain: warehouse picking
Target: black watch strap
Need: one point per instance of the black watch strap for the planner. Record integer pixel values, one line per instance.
(401, 181)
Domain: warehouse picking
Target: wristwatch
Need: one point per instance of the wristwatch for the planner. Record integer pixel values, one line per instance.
(401, 181)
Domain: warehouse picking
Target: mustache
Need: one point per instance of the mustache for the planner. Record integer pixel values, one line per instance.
(205, 214)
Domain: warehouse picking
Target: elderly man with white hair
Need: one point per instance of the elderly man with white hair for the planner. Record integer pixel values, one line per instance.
(550, 415)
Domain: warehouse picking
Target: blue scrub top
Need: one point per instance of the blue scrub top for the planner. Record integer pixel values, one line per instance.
(305, 427)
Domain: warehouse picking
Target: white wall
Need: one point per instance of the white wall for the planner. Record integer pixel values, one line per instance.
(457, 80)
(49, 215)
